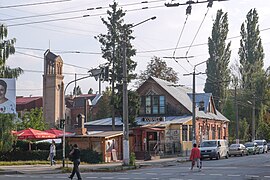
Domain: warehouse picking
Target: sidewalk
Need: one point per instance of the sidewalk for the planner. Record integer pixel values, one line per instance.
(108, 167)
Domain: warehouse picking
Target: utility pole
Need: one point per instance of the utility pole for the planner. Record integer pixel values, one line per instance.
(126, 158)
(194, 139)
(236, 116)
(253, 118)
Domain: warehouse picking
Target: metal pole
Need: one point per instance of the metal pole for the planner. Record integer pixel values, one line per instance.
(253, 118)
(236, 116)
(64, 115)
(193, 111)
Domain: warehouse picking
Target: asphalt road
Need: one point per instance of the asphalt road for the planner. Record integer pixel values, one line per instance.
(247, 167)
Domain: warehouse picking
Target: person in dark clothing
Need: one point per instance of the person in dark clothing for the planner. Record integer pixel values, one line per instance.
(75, 154)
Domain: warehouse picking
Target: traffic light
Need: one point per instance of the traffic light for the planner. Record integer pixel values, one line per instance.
(62, 123)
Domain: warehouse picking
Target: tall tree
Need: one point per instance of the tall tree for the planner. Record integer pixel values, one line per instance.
(7, 121)
(159, 69)
(251, 52)
(112, 45)
(251, 57)
(218, 72)
(104, 103)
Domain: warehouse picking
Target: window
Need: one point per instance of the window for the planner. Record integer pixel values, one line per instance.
(184, 132)
(190, 133)
(154, 104)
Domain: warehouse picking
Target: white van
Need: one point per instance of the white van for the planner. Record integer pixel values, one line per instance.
(214, 149)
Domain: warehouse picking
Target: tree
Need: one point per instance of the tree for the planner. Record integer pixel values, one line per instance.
(251, 57)
(6, 49)
(104, 109)
(77, 91)
(33, 119)
(112, 46)
(7, 121)
(218, 73)
(251, 51)
(159, 69)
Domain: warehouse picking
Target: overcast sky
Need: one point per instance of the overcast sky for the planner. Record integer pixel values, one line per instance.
(153, 38)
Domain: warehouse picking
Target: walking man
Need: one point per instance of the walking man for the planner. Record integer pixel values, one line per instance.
(195, 156)
(75, 154)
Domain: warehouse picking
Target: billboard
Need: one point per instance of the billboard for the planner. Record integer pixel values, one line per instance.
(7, 96)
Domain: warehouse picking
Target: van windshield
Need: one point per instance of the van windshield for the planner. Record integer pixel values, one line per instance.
(259, 143)
(209, 144)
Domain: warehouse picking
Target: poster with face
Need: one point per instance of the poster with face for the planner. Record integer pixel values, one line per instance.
(7, 96)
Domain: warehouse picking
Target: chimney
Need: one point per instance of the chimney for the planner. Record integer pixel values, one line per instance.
(80, 130)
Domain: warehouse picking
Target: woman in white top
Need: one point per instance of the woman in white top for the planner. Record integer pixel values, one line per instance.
(6, 106)
(52, 153)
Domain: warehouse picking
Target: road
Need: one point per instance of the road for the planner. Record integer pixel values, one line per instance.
(247, 167)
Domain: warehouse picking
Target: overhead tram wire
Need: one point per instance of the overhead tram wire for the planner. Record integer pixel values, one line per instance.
(43, 58)
(197, 34)
(33, 4)
(75, 11)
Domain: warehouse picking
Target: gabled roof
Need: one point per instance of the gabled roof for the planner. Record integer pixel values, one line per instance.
(178, 92)
(51, 56)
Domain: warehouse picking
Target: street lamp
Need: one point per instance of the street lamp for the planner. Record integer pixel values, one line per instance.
(64, 116)
(125, 98)
(193, 102)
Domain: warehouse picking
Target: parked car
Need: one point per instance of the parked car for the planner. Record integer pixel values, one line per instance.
(268, 146)
(237, 149)
(214, 149)
(262, 144)
(252, 148)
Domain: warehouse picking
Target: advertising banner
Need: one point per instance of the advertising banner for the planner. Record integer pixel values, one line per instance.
(7, 96)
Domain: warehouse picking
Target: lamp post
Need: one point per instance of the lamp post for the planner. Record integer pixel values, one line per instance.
(193, 102)
(125, 98)
(64, 115)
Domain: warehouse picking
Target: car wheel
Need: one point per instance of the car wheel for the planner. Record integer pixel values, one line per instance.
(230, 155)
(227, 155)
(218, 156)
(242, 153)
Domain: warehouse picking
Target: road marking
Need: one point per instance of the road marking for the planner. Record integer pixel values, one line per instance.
(123, 178)
(136, 173)
(267, 176)
(139, 178)
(151, 173)
(234, 175)
(215, 174)
(91, 177)
(255, 176)
(106, 177)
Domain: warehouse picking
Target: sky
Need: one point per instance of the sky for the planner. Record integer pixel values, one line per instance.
(68, 29)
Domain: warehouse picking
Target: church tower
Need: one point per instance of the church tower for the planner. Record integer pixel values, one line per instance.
(53, 89)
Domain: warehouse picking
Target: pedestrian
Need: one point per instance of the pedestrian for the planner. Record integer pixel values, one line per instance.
(52, 153)
(195, 156)
(75, 156)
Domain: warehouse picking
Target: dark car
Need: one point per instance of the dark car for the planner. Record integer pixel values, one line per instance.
(237, 149)
(252, 148)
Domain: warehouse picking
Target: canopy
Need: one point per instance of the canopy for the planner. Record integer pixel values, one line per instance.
(57, 133)
(33, 134)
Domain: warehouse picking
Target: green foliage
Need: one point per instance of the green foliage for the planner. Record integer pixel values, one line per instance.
(251, 51)
(244, 133)
(32, 119)
(6, 126)
(159, 69)
(90, 156)
(133, 106)
(218, 73)
(104, 103)
(7, 48)
(132, 161)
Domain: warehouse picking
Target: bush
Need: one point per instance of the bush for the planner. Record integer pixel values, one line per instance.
(132, 159)
(90, 156)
